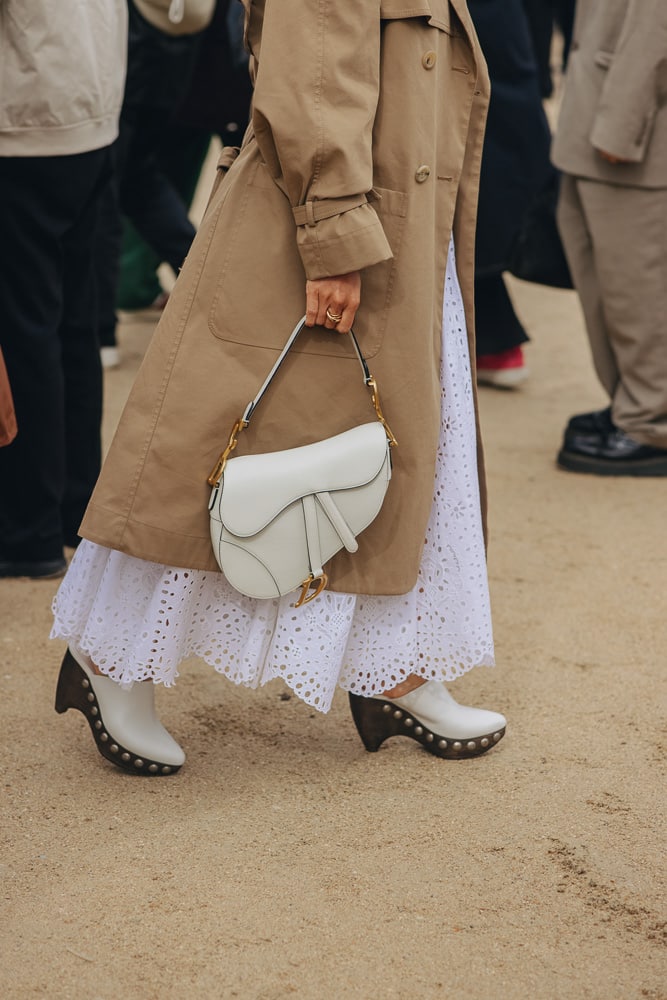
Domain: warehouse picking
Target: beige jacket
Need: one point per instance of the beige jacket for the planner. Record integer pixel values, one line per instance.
(615, 95)
(62, 74)
(364, 152)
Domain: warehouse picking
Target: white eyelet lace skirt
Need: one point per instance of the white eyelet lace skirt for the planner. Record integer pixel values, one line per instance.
(139, 620)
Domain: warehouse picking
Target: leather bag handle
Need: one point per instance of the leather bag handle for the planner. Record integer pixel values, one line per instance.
(240, 425)
(250, 408)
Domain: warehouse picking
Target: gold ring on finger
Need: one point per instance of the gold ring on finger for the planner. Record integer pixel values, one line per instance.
(334, 317)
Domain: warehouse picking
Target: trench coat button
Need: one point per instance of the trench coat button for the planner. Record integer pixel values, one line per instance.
(422, 173)
(429, 59)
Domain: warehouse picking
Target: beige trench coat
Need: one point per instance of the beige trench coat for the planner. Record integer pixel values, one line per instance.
(363, 152)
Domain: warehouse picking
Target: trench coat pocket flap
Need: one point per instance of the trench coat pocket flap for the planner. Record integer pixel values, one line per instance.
(603, 59)
(346, 461)
(438, 12)
(396, 10)
(391, 202)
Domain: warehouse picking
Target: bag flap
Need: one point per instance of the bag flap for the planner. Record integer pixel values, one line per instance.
(255, 488)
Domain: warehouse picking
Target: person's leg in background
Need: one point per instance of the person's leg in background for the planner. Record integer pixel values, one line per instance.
(540, 16)
(564, 10)
(616, 243)
(500, 334)
(515, 168)
(81, 363)
(106, 254)
(49, 340)
(181, 157)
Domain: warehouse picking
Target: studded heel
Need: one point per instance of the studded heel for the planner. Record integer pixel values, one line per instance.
(432, 717)
(123, 722)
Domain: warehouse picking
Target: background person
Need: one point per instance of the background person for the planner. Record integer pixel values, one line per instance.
(611, 144)
(62, 84)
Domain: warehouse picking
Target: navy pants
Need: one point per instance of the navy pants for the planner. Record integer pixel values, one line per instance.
(48, 334)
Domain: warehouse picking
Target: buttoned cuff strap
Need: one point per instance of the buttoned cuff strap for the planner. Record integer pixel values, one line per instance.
(314, 211)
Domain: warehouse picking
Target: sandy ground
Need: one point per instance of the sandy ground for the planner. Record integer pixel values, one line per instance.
(286, 861)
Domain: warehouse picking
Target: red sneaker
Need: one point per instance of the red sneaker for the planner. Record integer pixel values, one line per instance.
(504, 370)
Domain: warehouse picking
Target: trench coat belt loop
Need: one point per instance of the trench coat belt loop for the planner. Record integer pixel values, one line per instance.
(315, 211)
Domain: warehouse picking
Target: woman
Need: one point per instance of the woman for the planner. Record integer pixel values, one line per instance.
(361, 159)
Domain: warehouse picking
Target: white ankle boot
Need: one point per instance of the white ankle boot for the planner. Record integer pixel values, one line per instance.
(123, 721)
(430, 715)
(435, 708)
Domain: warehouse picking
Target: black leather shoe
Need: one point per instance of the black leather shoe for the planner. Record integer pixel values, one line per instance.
(595, 422)
(611, 454)
(46, 569)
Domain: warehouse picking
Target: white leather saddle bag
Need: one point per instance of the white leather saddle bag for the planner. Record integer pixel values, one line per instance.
(277, 518)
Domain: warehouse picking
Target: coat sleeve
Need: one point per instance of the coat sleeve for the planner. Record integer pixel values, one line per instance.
(316, 95)
(636, 83)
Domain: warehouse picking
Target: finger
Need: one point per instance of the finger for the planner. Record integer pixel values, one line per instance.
(312, 304)
(330, 311)
(345, 324)
(322, 317)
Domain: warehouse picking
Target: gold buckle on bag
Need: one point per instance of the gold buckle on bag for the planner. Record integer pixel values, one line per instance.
(314, 583)
(219, 467)
(375, 396)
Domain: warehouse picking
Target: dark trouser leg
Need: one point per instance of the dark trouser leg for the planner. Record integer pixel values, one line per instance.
(498, 327)
(48, 335)
(82, 368)
(181, 156)
(540, 16)
(106, 254)
(147, 197)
